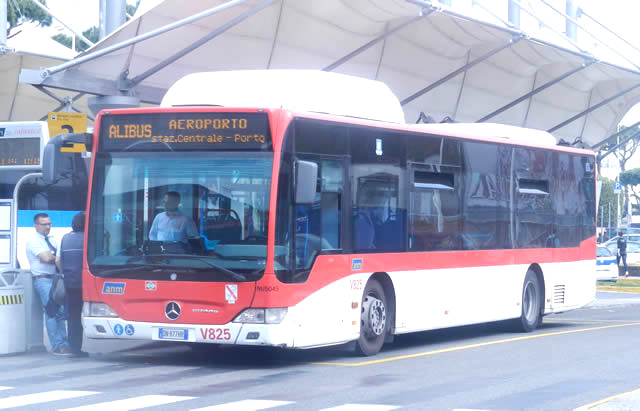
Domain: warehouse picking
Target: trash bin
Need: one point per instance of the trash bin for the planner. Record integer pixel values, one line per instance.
(12, 314)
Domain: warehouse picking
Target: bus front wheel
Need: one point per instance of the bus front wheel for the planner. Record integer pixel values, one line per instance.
(531, 303)
(374, 320)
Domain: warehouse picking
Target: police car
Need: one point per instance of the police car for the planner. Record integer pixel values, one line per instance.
(606, 267)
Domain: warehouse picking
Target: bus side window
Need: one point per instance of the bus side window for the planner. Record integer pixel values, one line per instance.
(318, 225)
(378, 168)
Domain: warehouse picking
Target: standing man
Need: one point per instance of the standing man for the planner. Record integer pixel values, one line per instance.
(42, 251)
(71, 247)
(622, 252)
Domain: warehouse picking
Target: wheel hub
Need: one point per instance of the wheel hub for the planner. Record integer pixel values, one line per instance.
(374, 316)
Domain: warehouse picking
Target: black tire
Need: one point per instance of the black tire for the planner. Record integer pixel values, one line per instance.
(374, 319)
(530, 316)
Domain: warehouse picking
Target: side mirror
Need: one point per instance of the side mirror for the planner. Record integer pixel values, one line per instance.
(57, 163)
(306, 173)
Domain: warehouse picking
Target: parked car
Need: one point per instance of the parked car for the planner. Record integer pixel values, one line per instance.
(606, 268)
(633, 254)
(611, 243)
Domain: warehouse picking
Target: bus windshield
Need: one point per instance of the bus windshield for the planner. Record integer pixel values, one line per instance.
(194, 216)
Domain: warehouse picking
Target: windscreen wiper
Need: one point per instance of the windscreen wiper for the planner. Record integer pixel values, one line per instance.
(154, 268)
(232, 274)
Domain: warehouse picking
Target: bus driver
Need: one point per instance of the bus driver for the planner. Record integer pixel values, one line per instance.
(172, 225)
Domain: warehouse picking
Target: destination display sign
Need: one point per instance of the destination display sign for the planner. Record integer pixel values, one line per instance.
(20, 144)
(184, 132)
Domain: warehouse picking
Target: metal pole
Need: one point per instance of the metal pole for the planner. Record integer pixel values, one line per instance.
(610, 31)
(572, 14)
(595, 107)
(242, 17)
(603, 142)
(92, 56)
(536, 91)
(569, 18)
(494, 15)
(602, 216)
(609, 230)
(619, 222)
(514, 13)
(112, 16)
(620, 143)
(467, 66)
(46, 10)
(378, 39)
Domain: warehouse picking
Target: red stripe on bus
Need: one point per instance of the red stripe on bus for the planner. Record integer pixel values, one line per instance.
(330, 268)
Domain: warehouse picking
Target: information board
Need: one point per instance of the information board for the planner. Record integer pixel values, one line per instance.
(21, 143)
(184, 131)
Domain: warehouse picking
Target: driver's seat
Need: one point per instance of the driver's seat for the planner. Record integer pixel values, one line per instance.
(223, 227)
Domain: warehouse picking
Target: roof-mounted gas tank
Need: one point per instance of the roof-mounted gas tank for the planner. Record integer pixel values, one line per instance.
(299, 90)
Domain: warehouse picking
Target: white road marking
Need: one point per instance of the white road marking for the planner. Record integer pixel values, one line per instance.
(30, 399)
(245, 405)
(5, 388)
(132, 403)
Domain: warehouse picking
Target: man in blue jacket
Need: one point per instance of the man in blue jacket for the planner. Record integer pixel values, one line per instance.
(71, 248)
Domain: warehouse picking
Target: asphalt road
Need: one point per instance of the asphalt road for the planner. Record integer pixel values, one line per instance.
(584, 358)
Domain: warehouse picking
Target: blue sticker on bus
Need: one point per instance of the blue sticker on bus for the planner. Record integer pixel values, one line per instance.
(356, 264)
(129, 330)
(117, 329)
(113, 288)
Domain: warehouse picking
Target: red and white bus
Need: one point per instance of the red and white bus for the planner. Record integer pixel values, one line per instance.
(322, 218)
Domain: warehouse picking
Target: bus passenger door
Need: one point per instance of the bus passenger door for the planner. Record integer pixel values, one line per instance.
(319, 226)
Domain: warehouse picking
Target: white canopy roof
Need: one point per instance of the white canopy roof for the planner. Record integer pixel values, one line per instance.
(436, 61)
(31, 50)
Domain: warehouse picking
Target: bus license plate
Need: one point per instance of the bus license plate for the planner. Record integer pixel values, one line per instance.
(173, 334)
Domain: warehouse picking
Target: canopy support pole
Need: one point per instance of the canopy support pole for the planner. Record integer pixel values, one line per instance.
(624, 141)
(153, 33)
(603, 142)
(63, 102)
(462, 69)
(573, 21)
(535, 91)
(141, 77)
(592, 108)
(376, 40)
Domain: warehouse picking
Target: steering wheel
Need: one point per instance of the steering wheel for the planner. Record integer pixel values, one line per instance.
(225, 214)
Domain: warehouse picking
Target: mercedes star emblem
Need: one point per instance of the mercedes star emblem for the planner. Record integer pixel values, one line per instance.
(172, 310)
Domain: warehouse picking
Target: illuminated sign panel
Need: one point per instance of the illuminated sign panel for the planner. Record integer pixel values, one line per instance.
(20, 144)
(185, 132)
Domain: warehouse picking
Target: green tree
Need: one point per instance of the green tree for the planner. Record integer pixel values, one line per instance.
(608, 203)
(630, 179)
(26, 11)
(623, 153)
(92, 34)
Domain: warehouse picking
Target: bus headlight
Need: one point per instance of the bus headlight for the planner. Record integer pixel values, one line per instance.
(90, 309)
(261, 316)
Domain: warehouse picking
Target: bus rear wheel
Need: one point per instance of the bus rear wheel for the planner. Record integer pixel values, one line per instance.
(531, 303)
(374, 320)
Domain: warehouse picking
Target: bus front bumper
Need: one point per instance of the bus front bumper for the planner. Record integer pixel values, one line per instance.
(279, 335)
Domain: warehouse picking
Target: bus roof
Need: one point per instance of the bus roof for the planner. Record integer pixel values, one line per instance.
(298, 90)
